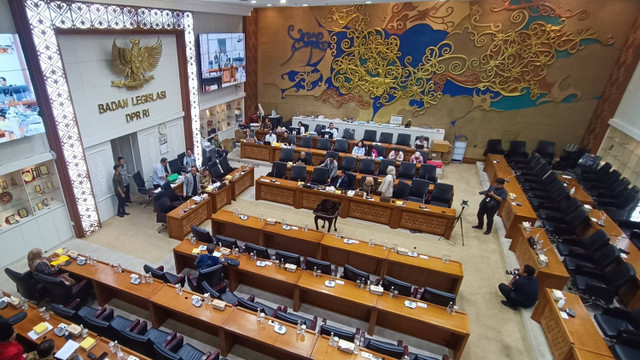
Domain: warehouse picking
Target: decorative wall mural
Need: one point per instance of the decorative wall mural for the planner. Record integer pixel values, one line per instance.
(417, 53)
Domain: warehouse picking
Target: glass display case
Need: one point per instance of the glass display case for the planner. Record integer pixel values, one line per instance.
(221, 117)
(29, 193)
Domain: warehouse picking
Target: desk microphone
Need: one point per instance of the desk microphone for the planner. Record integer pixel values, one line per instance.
(548, 247)
(509, 177)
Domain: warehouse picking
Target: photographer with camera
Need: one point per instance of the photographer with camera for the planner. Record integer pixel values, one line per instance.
(493, 197)
(522, 290)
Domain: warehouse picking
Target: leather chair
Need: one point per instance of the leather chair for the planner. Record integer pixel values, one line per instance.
(442, 195)
(27, 285)
(627, 347)
(419, 190)
(604, 286)
(342, 146)
(613, 319)
(286, 155)
(163, 206)
(381, 150)
(61, 293)
(564, 208)
(226, 167)
(407, 170)
(227, 242)
(106, 323)
(401, 190)
(320, 175)
(180, 158)
(142, 187)
(328, 211)
(546, 150)
(588, 245)
(349, 134)
(494, 146)
(386, 138)
(333, 154)
(393, 350)
(171, 194)
(294, 319)
(517, 151)
(177, 350)
(571, 223)
(348, 163)
(428, 172)
(306, 142)
(252, 306)
(341, 333)
(299, 173)
(221, 293)
(175, 166)
(213, 275)
(142, 340)
(382, 169)
(403, 140)
(589, 174)
(166, 277)
(367, 166)
(352, 179)
(278, 170)
(324, 144)
(68, 312)
(370, 135)
(599, 261)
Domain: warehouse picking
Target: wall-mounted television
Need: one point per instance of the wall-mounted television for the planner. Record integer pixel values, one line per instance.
(19, 113)
(222, 60)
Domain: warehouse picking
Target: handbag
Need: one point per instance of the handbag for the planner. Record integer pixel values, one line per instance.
(230, 262)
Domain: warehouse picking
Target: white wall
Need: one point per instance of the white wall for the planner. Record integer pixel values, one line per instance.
(627, 117)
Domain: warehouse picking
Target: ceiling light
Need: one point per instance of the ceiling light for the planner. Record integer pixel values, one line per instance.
(268, 4)
(367, 2)
(305, 4)
(253, 1)
(283, 1)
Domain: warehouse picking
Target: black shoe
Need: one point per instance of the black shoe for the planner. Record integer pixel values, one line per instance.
(487, 232)
(120, 215)
(477, 227)
(128, 202)
(506, 303)
(125, 213)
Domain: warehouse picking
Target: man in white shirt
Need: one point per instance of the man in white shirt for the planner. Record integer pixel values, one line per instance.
(159, 176)
(334, 132)
(189, 160)
(271, 137)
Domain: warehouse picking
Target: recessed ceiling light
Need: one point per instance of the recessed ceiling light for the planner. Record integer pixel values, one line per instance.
(283, 1)
(305, 4)
(367, 2)
(253, 1)
(268, 4)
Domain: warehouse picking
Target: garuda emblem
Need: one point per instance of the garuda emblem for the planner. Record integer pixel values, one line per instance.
(134, 63)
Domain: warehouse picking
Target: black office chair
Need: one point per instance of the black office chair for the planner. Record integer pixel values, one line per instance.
(142, 187)
(278, 170)
(367, 166)
(27, 285)
(295, 319)
(600, 260)
(61, 293)
(333, 154)
(286, 154)
(613, 319)
(428, 172)
(401, 190)
(348, 163)
(341, 333)
(370, 135)
(213, 275)
(588, 245)
(419, 190)
(221, 293)
(627, 347)
(175, 166)
(494, 146)
(403, 139)
(546, 150)
(226, 167)
(320, 175)
(386, 138)
(385, 348)
(171, 194)
(306, 142)
(384, 164)
(140, 339)
(166, 277)
(68, 312)
(407, 170)
(163, 206)
(381, 150)
(517, 151)
(571, 223)
(324, 144)
(349, 134)
(299, 173)
(352, 180)
(442, 195)
(215, 171)
(342, 146)
(602, 287)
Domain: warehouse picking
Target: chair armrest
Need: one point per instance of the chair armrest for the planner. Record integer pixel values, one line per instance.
(179, 280)
(579, 253)
(74, 305)
(590, 273)
(169, 339)
(176, 344)
(79, 286)
(618, 312)
(133, 325)
(601, 292)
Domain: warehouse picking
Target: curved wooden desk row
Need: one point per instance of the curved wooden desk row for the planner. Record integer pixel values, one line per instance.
(34, 318)
(431, 272)
(432, 324)
(234, 325)
(432, 219)
(270, 154)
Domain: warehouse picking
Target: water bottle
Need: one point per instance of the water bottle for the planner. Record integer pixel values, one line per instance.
(331, 342)
(384, 245)
(298, 327)
(358, 283)
(179, 289)
(391, 292)
(253, 256)
(305, 228)
(561, 303)
(449, 307)
(368, 285)
(193, 239)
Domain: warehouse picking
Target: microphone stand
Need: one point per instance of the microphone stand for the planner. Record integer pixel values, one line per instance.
(458, 220)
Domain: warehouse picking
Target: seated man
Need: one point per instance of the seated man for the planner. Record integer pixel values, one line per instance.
(340, 181)
(288, 141)
(332, 165)
(369, 185)
(522, 290)
(271, 137)
(217, 144)
(303, 159)
(205, 178)
(205, 261)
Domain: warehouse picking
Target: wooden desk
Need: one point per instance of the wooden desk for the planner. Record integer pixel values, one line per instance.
(179, 224)
(552, 276)
(432, 219)
(166, 303)
(512, 215)
(431, 272)
(323, 350)
(582, 354)
(256, 151)
(240, 180)
(432, 324)
(225, 223)
(579, 192)
(220, 198)
(241, 327)
(564, 335)
(268, 278)
(293, 240)
(371, 259)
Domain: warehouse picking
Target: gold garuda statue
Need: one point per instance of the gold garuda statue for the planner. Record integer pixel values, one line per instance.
(134, 63)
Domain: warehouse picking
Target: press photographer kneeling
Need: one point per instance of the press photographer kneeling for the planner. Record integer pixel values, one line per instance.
(522, 290)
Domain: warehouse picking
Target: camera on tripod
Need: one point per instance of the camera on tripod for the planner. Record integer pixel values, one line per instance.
(513, 272)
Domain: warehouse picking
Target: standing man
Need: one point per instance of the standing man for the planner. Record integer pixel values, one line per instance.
(522, 290)
(118, 189)
(159, 176)
(125, 180)
(191, 186)
(493, 198)
(189, 160)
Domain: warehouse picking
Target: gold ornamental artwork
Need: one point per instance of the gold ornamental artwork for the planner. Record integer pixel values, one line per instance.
(134, 63)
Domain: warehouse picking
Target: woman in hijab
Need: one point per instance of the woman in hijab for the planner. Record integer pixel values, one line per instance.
(386, 187)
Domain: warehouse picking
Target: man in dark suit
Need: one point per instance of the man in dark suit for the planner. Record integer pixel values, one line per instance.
(303, 159)
(340, 181)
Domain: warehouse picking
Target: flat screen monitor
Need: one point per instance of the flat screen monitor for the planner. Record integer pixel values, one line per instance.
(352, 274)
(324, 266)
(437, 297)
(288, 258)
(222, 60)
(201, 234)
(401, 287)
(260, 251)
(19, 112)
